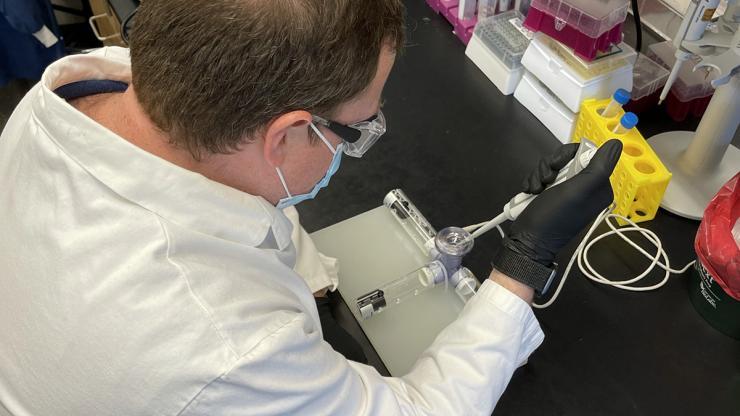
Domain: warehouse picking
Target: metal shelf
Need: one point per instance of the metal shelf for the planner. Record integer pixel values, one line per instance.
(664, 17)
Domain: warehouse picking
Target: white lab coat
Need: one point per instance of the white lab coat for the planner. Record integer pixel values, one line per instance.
(131, 286)
(318, 270)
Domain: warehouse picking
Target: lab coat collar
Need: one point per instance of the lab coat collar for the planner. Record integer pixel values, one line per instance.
(176, 194)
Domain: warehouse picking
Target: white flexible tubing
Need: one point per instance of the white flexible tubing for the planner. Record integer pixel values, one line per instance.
(570, 263)
(645, 233)
(592, 274)
(500, 219)
(581, 255)
(472, 228)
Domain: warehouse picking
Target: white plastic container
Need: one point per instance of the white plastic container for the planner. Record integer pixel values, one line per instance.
(649, 77)
(573, 79)
(546, 107)
(497, 46)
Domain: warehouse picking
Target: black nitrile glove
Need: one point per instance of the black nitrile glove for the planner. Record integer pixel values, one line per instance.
(549, 168)
(561, 212)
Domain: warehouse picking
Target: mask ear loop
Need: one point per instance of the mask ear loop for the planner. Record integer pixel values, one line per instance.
(282, 180)
(323, 139)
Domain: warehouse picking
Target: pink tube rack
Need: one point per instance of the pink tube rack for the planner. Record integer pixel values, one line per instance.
(583, 45)
(463, 29)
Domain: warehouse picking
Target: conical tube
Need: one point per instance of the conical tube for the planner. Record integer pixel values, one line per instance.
(620, 98)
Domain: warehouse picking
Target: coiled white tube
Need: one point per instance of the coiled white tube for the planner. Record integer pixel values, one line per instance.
(581, 256)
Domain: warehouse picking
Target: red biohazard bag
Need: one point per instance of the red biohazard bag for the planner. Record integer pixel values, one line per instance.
(717, 240)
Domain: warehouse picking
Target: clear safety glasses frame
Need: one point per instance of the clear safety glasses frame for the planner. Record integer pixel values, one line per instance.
(358, 137)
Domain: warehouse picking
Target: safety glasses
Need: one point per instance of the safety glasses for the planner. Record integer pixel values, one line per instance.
(358, 137)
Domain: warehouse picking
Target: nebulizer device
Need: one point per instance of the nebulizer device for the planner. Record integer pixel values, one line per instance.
(447, 248)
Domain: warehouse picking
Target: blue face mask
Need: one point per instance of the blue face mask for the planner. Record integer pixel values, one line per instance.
(333, 168)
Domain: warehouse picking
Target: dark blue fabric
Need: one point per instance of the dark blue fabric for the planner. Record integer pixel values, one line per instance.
(21, 54)
(89, 87)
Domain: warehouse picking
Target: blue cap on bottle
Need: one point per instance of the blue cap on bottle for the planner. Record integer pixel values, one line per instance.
(621, 96)
(628, 120)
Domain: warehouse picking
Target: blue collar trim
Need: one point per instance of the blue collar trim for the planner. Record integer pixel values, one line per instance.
(85, 88)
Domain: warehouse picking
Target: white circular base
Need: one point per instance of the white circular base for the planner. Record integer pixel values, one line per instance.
(689, 194)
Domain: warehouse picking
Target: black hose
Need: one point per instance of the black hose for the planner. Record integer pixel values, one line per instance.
(638, 26)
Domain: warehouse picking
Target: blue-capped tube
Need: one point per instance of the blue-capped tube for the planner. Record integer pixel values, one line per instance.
(620, 98)
(628, 121)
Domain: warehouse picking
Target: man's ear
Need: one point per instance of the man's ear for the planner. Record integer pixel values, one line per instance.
(280, 130)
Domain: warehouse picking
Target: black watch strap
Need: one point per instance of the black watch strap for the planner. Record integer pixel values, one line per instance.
(524, 270)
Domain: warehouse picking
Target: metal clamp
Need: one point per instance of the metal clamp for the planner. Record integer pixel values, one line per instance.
(370, 303)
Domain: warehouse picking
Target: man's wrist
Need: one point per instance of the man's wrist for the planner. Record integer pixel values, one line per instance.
(521, 290)
(321, 293)
(524, 269)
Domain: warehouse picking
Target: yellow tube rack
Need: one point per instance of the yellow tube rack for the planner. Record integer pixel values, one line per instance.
(640, 178)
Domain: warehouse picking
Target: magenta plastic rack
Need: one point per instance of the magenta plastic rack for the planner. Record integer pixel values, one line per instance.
(463, 29)
(584, 46)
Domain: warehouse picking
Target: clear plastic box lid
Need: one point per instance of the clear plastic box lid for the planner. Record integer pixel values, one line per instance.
(619, 56)
(689, 84)
(648, 77)
(505, 36)
(592, 17)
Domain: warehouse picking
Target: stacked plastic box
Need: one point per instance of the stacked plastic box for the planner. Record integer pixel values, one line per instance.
(576, 54)
(546, 106)
(497, 46)
(558, 81)
(648, 80)
(692, 91)
(574, 80)
(586, 26)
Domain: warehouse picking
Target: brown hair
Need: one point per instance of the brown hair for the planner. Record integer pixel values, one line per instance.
(211, 73)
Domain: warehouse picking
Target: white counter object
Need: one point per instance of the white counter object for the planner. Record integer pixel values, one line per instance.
(541, 102)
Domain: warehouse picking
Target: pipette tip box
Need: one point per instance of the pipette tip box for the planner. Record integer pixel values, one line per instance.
(640, 178)
(586, 26)
(497, 46)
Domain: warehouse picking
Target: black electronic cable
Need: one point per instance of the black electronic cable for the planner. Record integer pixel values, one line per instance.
(638, 26)
(124, 26)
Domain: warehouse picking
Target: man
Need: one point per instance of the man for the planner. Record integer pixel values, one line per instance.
(147, 263)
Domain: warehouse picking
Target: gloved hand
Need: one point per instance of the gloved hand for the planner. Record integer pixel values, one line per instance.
(548, 169)
(561, 212)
